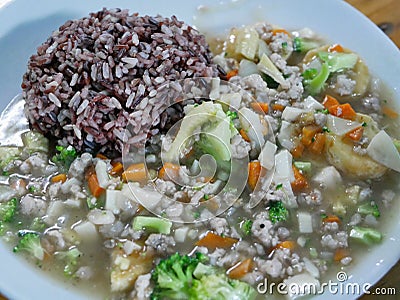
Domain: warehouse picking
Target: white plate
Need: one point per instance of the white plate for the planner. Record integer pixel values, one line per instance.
(25, 24)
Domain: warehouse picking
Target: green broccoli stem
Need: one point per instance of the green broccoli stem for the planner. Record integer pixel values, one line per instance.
(153, 224)
(365, 235)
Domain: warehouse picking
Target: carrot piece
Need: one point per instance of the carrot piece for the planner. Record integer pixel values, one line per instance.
(330, 101)
(117, 168)
(213, 241)
(340, 253)
(335, 48)
(94, 186)
(254, 171)
(300, 181)
(280, 30)
(101, 156)
(135, 172)
(240, 269)
(356, 134)
(286, 244)
(168, 168)
(260, 107)
(297, 151)
(59, 178)
(232, 73)
(331, 219)
(317, 143)
(307, 134)
(277, 106)
(386, 110)
(244, 135)
(344, 111)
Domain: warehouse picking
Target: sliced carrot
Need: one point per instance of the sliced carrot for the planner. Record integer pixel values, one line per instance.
(59, 178)
(254, 171)
(386, 110)
(168, 168)
(260, 107)
(317, 144)
(135, 172)
(344, 111)
(277, 106)
(240, 269)
(101, 156)
(298, 150)
(280, 30)
(213, 241)
(307, 134)
(232, 73)
(335, 48)
(356, 134)
(244, 135)
(117, 168)
(341, 253)
(300, 181)
(287, 245)
(94, 186)
(330, 101)
(331, 219)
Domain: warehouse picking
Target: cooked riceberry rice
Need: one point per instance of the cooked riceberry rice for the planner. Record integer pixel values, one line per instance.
(96, 75)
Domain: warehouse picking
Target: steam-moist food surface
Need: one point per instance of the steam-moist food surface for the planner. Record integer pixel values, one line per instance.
(87, 79)
(295, 107)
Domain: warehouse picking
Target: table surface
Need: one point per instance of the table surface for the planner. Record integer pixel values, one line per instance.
(386, 14)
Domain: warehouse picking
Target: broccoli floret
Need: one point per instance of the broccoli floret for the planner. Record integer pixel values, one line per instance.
(220, 287)
(185, 277)
(70, 259)
(65, 157)
(30, 242)
(246, 227)
(173, 276)
(277, 212)
(37, 224)
(304, 45)
(8, 210)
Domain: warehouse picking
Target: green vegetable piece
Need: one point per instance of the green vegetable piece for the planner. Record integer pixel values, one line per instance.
(70, 259)
(338, 61)
(30, 243)
(277, 212)
(317, 84)
(8, 210)
(65, 157)
(173, 276)
(35, 141)
(38, 225)
(303, 44)
(185, 277)
(309, 74)
(220, 287)
(153, 224)
(304, 166)
(8, 154)
(369, 209)
(271, 83)
(246, 227)
(3, 228)
(365, 235)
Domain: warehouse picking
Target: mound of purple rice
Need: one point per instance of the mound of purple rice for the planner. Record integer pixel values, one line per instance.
(95, 76)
